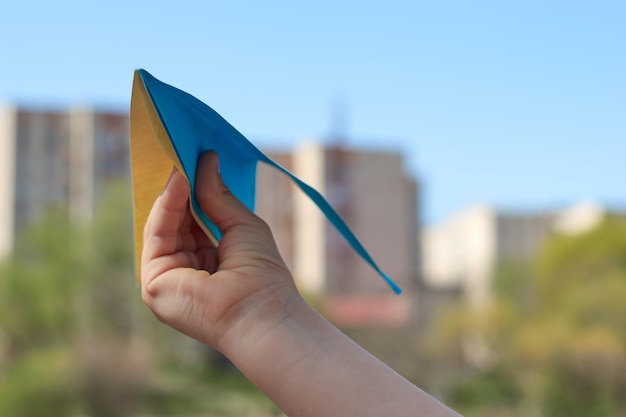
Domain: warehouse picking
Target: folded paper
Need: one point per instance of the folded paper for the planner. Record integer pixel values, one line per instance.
(169, 126)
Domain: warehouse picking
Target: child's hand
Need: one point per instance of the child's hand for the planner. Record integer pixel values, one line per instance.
(204, 291)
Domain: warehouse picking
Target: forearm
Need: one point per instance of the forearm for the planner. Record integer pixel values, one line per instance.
(311, 369)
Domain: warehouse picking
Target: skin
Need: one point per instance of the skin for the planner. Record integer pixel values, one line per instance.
(240, 299)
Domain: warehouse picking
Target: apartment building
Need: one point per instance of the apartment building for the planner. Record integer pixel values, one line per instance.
(463, 251)
(375, 196)
(56, 159)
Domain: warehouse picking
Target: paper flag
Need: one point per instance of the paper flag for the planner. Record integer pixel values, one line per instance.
(169, 126)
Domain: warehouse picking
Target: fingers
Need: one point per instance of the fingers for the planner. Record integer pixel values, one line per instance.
(222, 207)
(166, 217)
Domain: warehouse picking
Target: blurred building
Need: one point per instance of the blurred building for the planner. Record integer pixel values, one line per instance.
(370, 190)
(56, 159)
(463, 252)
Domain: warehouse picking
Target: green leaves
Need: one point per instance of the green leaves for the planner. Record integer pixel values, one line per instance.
(66, 294)
(556, 325)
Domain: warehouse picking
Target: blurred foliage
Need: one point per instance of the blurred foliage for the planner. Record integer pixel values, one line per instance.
(552, 339)
(76, 340)
(496, 387)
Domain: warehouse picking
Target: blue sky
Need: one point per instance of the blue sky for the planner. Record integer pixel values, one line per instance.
(518, 104)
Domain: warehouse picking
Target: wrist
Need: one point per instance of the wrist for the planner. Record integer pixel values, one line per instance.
(259, 316)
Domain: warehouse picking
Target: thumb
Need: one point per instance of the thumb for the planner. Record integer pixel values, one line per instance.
(216, 200)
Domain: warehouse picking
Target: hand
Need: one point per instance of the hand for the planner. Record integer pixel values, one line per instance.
(206, 291)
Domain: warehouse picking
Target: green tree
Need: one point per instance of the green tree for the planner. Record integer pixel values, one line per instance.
(555, 327)
(576, 335)
(37, 310)
(69, 317)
